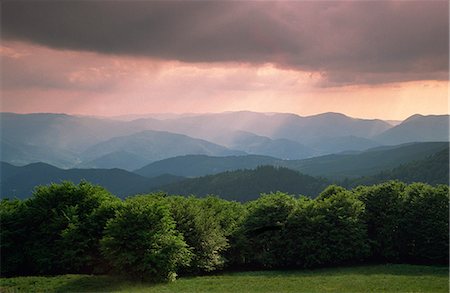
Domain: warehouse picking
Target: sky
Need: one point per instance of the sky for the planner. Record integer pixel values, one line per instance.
(366, 59)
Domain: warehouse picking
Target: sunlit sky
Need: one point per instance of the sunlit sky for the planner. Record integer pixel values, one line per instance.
(385, 59)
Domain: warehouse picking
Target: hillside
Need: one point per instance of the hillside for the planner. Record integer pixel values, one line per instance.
(20, 181)
(201, 165)
(125, 160)
(336, 167)
(245, 185)
(56, 139)
(417, 128)
(365, 163)
(156, 145)
(432, 170)
(262, 145)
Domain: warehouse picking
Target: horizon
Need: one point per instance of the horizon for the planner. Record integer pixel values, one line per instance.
(208, 57)
(133, 116)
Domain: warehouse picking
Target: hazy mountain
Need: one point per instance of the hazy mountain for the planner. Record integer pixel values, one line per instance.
(68, 141)
(71, 133)
(245, 185)
(333, 145)
(417, 128)
(394, 122)
(20, 181)
(200, 165)
(365, 163)
(125, 160)
(20, 153)
(262, 145)
(275, 126)
(159, 116)
(54, 138)
(155, 145)
(306, 129)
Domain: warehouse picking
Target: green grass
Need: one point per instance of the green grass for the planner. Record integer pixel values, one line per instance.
(378, 278)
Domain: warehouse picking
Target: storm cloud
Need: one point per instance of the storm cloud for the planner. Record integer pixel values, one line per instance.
(347, 42)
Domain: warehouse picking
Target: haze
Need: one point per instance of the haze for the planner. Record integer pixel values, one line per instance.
(384, 59)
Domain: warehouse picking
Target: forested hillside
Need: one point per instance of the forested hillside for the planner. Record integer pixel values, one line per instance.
(241, 177)
(336, 166)
(245, 185)
(370, 162)
(200, 165)
(432, 170)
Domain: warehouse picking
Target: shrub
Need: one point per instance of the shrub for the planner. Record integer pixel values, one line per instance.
(60, 227)
(425, 224)
(383, 217)
(326, 231)
(202, 232)
(13, 233)
(141, 240)
(262, 229)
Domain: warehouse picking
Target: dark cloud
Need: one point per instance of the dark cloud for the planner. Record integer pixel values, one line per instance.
(349, 42)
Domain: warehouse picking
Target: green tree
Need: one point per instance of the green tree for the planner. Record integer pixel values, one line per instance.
(202, 232)
(425, 223)
(326, 231)
(263, 229)
(61, 226)
(383, 217)
(141, 240)
(330, 191)
(13, 235)
(230, 215)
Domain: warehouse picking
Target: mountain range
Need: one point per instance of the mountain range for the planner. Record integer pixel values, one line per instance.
(68, 141)
(20, 181)
(244, 177)
(336, 166)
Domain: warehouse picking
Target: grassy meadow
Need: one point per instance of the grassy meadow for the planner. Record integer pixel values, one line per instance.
(376, 278)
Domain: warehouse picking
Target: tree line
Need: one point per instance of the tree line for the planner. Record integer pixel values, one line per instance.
(68, 228)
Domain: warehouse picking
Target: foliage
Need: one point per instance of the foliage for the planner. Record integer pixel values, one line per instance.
(202, 232)
(425, 223)
(327, 231)
(59, 229)
(141, 240)
(230, 215)
(383, 217)
(330, 191)
(67, 228)
(263, 228)
(13, 234)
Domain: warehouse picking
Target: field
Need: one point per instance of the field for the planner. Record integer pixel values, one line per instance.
(378, 278)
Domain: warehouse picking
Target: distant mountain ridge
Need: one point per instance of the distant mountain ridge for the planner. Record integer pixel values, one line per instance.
(150, 146)
(417, 128)
(426, 162)
(20, 181)
(76, 141)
